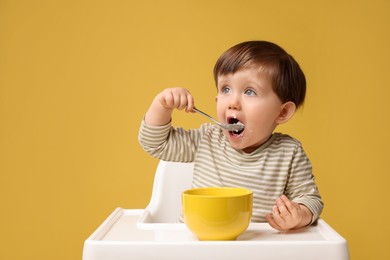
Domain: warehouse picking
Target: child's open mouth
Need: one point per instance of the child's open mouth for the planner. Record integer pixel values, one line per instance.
(233, 120)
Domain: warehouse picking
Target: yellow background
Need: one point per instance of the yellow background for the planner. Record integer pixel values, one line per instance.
(77, 76)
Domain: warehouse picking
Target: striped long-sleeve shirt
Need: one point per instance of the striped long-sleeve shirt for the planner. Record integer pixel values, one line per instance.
(279, 166)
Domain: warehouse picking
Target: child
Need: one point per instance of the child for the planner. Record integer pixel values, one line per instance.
(260, 86)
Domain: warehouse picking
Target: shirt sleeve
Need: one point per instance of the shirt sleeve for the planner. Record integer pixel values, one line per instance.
(301, 187)
(169, 143)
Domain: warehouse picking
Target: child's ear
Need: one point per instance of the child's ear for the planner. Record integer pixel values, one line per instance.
(287, 111)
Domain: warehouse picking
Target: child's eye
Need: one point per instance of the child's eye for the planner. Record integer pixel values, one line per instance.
(225, 90)
(250, 92)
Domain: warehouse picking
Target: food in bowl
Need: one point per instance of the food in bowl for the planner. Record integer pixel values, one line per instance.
(217, 213)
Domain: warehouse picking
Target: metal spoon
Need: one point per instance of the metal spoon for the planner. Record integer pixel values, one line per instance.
(230, 127)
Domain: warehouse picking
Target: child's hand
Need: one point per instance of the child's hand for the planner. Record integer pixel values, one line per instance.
(288, 215)
(164, 103)
(179, 98)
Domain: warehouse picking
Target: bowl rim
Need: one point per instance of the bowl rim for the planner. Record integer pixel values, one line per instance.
(245, 192)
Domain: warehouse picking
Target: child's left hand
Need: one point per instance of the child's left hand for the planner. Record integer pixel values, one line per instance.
(288, 215)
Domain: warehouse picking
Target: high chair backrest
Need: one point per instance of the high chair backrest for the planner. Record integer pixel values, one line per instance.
(171, 179)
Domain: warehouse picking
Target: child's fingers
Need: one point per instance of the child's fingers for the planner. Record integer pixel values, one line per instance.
(183, 101)
(178, 98)
(169, 98)
(284, 211)
(285, 214)
(276, 220)
(290, 206)
(277, 216)
(190, 102)
(271, 222)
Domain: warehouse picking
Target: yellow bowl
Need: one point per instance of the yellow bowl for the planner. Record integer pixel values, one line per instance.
(221, 213)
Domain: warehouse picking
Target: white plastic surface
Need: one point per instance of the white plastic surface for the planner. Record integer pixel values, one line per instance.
(120, 238)
(170, 180)
(154, 234)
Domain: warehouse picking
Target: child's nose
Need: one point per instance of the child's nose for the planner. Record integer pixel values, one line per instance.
(234, 102)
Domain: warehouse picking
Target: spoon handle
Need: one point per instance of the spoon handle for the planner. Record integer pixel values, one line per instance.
(206, 115)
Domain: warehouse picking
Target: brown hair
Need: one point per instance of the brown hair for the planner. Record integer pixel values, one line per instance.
(288, 80)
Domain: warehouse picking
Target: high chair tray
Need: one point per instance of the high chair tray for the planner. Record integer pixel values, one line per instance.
(121, 237)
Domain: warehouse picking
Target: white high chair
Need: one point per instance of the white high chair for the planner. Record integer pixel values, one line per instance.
(152, 233)
(170, 180)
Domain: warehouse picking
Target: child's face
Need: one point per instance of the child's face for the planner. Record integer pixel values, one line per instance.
(247, 96)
